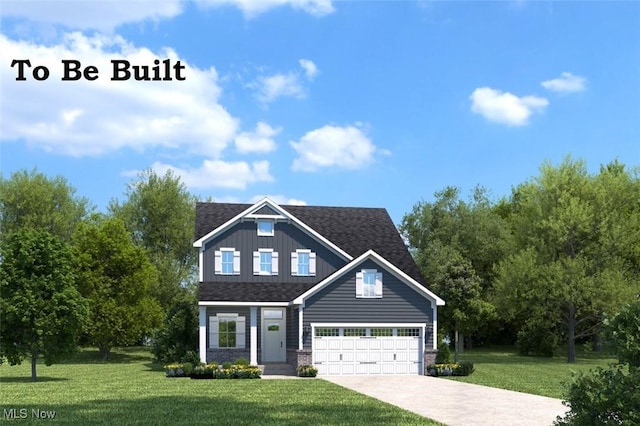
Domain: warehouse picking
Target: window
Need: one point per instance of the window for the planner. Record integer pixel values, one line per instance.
(227, 261)
(409, 332)
(327, 332)
(369, 284)
(227, 331)
(303, 263)
(381, 332)
(355, 332)
(265, 228)
(265, 262)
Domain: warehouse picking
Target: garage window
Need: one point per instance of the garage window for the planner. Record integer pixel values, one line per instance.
(355, 332)
(369, 284)
(381, 332)
(327, 332)
(409, 332)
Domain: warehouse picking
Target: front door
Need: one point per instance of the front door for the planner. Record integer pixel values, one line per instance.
(274, 345)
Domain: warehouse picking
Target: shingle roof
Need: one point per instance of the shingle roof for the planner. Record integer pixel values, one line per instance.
(251, 292)
(353, 229)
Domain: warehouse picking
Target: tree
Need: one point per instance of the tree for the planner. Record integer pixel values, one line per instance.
(116, 277)
(178, 334)
(41, 310)
(32, 200)
(567, 271)
(465, 310)
(449, 237)
(610, 396)
(160, 214)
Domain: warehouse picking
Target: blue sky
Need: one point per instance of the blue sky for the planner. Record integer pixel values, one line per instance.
(361, 103)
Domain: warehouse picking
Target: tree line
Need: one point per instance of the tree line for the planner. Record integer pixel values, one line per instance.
(71, 276)
(543, 267)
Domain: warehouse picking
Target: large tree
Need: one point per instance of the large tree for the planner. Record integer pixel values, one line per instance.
(571, 268)
(160, 214)
(32, 200)
(116, 277)
(41, 311)
(456, 244)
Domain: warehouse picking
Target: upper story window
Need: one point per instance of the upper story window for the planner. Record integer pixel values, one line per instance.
(265, 228)
(265, 262)
(369, 284)
(303, 263)
(227, 261)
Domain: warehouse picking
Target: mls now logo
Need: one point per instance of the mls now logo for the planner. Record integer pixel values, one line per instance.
(23, 413)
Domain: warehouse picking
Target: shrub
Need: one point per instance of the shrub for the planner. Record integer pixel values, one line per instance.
(537, 340)
(178, 334)
(444, 353)
(187, 367)
(245, 372)
(191, 357)
(226, 365)
(306, 371)
(241, 361)
(174, 370)
(458, 369)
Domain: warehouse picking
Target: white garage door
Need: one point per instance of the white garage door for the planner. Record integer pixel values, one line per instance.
(367, 350)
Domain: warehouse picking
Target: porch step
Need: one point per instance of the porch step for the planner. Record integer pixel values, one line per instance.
(277, 369)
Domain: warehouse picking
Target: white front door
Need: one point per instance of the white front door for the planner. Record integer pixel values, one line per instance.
(274, 344)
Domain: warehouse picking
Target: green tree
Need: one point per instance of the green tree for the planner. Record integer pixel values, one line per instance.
(567, 271)
(41, 311)
(32, 200)
(116, 277)
(160, 214)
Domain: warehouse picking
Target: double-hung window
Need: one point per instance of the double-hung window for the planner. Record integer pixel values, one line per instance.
(265, 262)
(303, 263)
(227, 261)
(369, 284)
(227, 331)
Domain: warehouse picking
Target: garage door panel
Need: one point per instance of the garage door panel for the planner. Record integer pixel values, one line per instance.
(372, 354)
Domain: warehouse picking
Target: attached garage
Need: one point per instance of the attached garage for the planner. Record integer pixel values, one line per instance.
(346, 349)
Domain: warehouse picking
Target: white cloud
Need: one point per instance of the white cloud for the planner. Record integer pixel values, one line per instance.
(332, 146)
(217, 174)
(566, 83)
(279, 85)
(279, 199)
(310, 69)
(252, 8)
(81, 118)
(102, 15)
(505, 107)
(260, 140)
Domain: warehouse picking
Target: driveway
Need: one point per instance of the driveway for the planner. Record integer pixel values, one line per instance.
(456, 403)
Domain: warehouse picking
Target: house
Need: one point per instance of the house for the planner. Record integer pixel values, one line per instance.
(334, 287)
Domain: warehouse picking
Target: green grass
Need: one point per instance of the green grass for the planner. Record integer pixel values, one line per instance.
(130, 390)
(504, 368)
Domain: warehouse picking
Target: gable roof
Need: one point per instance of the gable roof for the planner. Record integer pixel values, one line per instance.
(354, 230)
(370, 254)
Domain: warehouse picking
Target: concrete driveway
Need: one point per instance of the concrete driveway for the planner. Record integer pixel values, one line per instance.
(455, 403)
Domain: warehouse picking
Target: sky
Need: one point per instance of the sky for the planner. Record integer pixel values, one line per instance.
(318, 102)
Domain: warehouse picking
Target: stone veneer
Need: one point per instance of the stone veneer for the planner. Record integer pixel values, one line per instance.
(296, 357)
(224, 355)
(429, 358)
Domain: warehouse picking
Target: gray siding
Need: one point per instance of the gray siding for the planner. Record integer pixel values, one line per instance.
(338, 303)
(287, 239)
(292, 327)
(266, 210)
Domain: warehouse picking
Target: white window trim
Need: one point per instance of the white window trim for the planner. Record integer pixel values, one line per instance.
(312, 263)
(214, 333)
(360, 284)
(262, 233)
(256, 262)
(217, 261)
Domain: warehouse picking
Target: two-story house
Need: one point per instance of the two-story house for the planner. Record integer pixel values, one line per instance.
(334, 287)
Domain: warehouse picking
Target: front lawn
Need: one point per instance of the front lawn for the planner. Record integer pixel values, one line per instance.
(504, 368)
(130, 390)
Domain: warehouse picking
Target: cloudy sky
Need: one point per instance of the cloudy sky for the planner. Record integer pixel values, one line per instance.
(363, 103)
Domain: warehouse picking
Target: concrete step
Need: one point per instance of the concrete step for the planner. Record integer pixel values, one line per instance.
(279, 369)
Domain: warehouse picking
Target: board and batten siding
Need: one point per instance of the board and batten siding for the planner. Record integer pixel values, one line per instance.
(399, 303)
(287, 238)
